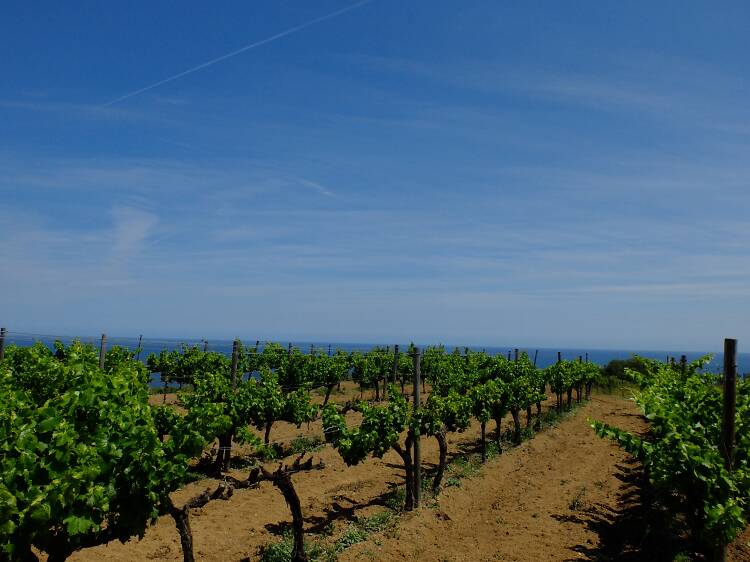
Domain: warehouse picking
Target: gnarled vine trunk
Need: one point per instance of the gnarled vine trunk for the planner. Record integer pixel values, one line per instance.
(443, 448)
(499, 433)
(516, 413)
(406, 457)
(329, 389)
(181, 516)
(483, 425)
(284, 483)
(221, 462)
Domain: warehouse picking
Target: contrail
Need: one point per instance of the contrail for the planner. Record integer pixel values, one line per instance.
(279, 35)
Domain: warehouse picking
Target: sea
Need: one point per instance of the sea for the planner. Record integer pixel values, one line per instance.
(543, 356)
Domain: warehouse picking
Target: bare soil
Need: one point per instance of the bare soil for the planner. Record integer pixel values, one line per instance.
(563, 495)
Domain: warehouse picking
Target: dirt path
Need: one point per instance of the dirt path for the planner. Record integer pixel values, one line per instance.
(530, 503)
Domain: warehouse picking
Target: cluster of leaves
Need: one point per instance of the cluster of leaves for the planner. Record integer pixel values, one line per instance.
(81, 461)
(326, 372)
(379, 430)
(565, 376)
(293, 368)
(682, 454)
(216, 407)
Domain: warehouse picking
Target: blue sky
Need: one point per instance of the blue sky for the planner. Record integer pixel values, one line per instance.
(485, 172)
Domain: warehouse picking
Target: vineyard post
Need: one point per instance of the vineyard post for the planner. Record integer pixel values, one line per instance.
(140, 341)
(559, 394)
(417, 450)
(515, 354)
(402, 376)
(730, 403)
(727, 422)
(235, 358)
(205, 346)
(509, 355)
(2, 343)
(543, 390)
(102, 351)
(395, 367)
(683, 364)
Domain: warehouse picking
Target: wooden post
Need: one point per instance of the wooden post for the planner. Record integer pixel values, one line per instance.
(140, 341)
(102, 351)
(683, 364)
(235, 359)
(312, 348)
(395, 364)
(727, 422)
(417, 450)
(587, 357)
(730, 405)
(559, 394)
(536, 354)
(579, 388)
(205, 346)
(3, 333)
(509, 355)
(515, 354)
(329, 350)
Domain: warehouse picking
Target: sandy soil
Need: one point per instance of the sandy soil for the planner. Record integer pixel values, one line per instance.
(531, 503)
(556, 497)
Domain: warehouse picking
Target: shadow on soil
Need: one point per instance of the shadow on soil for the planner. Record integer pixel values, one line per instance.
(638, 531)
(343, 509)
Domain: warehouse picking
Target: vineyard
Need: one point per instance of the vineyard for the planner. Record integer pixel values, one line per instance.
(91, 457)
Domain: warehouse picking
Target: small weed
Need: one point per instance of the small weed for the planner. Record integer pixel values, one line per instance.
(465, 467)
(304, 444)
(280, 551)
(270, 452)
(452, 481)
(353, 535)
(376, 522)
(362, 528)
(577, 502)
(492, 450)
(395, 499)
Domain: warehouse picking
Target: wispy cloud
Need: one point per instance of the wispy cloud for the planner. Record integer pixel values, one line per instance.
(131, 229)
(72, 110)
